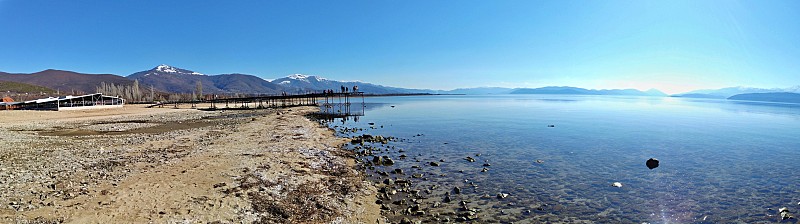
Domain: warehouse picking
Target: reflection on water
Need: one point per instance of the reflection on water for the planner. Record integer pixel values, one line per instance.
(345, 111)
(720, 161)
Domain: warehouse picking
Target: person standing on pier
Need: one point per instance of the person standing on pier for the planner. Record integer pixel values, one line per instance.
(355, 89)
(342, 89)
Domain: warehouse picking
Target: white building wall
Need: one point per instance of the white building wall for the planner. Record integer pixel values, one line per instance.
(90, 107)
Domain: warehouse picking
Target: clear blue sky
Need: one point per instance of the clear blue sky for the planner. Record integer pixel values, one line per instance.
(674, 46)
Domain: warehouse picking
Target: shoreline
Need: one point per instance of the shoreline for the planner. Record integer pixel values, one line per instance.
(175, 165)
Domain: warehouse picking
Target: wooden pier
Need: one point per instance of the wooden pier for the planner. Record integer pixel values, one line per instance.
(327, 100)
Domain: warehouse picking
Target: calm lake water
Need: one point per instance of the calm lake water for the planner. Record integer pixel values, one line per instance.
(720, 161)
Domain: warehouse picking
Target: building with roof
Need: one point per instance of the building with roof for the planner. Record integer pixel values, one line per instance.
(4, 104)
(83, 102)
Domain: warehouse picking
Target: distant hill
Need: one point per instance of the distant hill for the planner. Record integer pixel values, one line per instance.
(784, 97)
(65, 81)
(655, 92)
(479, 91)
(699, 95)
(554, 90)
(17, 87)
(566, 90)
(724, 93)
(178, 80)
(242, 83)
(299, 83)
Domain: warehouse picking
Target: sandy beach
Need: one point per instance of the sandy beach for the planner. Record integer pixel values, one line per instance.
(166, 165)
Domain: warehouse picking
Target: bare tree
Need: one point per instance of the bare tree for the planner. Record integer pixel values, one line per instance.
(199, 89)
(135, 91)
(152, 93)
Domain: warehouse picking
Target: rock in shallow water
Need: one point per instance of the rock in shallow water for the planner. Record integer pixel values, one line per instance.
(377, 160)
(784, 213)
(652, 163)
(388, 161)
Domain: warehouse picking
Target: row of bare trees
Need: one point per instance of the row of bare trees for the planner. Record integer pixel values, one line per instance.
(131, 93)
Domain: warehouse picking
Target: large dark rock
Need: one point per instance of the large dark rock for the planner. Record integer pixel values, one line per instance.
(652, 163)
(387, 161)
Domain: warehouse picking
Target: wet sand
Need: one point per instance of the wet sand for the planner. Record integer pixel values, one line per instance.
(165, 165)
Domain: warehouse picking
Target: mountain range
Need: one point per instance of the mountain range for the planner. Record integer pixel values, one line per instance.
(169, 79)
(177, 80)
(479, 91)
(725, 93)
(299, 83)
(581, 91)
(567, 90)
(65, 81)
(783, 97)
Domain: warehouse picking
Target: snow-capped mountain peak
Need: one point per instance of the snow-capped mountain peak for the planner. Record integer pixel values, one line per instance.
(298, 77)
(164, 68)
(305, 78)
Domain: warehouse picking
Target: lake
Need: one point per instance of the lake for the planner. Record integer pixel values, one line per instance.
(557, 156)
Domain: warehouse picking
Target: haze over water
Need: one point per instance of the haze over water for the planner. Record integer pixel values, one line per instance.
(721, 161)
